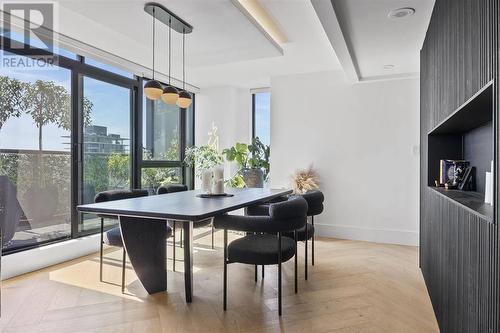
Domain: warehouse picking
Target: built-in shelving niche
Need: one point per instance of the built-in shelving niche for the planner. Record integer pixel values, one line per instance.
(467, 134)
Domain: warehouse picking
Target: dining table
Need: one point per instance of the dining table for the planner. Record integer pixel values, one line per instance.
(142, 223)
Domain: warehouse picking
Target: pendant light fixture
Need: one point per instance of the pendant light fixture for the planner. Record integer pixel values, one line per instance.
(153, 88)
(185, 98)
(170, 93)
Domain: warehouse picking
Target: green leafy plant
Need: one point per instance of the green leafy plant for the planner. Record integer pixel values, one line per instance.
(203, 158)
(253, 156)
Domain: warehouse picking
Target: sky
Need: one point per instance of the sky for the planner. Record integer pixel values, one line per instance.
(262, 117)
(111, 108)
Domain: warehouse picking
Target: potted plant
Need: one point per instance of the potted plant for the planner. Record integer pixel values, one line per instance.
(205, 159)
(253, 162)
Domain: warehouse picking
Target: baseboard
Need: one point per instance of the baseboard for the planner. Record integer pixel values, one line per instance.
(388, 236)
(31, 260)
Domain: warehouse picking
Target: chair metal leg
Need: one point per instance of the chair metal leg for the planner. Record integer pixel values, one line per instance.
(173, 246)
(212, 235)
(312, 245)
(123, 270)
(225, 271)
(296, 260)
(306, 256)
(262, 272)
(255, 273)
(101, 251)
(279, 274)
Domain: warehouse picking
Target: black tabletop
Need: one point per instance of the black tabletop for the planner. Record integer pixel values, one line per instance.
(184, 206)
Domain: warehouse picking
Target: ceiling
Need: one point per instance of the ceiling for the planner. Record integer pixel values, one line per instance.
(367, 40)
(225, 48)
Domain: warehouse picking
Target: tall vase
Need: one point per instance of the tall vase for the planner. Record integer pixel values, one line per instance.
(206, 181)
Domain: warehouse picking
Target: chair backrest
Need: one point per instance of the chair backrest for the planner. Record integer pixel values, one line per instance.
(10, 209)
(314, 200)
(290, 214)
(119, 195)
(171, 188)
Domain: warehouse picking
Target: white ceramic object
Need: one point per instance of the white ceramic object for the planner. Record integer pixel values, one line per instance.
(218, 186)
(488, 193)
(206, 181)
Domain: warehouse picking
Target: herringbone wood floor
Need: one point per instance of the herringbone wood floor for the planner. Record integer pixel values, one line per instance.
(354, 287)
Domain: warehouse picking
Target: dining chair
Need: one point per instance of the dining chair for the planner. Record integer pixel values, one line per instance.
(172, 188)
(113, 237)
(315, 199)
(264, 244)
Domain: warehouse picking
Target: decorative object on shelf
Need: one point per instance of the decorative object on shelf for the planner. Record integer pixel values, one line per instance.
(489, 186)
(253, 162)
(488, 192)
(467, 183)
(304, 180)
(153, 89)
(170, 93)
(451, 172)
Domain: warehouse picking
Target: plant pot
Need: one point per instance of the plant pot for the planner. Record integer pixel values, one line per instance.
(253, 177)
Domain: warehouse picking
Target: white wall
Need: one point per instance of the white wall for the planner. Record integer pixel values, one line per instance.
(228, 108)
(363, 139)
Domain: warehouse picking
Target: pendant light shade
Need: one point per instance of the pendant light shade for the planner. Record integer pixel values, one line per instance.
(170, 95)
(153, 89)
(184, 100)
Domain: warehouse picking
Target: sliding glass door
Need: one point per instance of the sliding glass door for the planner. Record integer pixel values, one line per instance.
(35, 155)
(105, 121)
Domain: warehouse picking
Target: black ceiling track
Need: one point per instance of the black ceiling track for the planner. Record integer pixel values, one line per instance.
(165, 16)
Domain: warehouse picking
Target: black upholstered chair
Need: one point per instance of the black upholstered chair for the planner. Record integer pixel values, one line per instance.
(264, 244)
(314, 200)
(172, 188)
(113, 237)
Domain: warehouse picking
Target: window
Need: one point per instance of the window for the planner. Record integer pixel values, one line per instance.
(161, 137)
(106, 143)
(261, 116)
(35, 156)
(166, 131)
(69, 132)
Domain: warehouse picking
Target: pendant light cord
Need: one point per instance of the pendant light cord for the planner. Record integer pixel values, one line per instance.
(154, 21)
(183, 58)
(169, 47)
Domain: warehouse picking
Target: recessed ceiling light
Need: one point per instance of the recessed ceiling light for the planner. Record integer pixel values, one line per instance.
(389, 66)
(401, 12)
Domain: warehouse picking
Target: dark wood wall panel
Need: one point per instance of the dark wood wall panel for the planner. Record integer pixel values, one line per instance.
(459, 251)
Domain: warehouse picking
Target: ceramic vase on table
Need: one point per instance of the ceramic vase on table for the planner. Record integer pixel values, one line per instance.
(206, 181)
(218, 180)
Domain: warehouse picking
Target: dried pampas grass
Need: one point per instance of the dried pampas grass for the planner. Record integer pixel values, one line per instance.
(304, 180)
